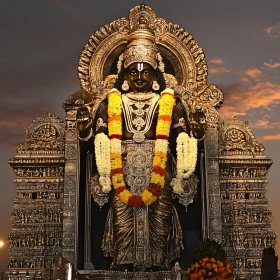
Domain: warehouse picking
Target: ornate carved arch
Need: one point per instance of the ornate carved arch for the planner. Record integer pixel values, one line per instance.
(174, 43)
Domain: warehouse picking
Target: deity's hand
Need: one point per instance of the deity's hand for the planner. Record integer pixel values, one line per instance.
(197, 118)
(197, 112)
(84, 121)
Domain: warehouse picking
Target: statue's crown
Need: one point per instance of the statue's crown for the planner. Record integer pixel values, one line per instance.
(142, 46)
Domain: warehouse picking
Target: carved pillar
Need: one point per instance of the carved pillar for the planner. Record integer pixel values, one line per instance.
(71, 188)
(211, 98)
(213, 186)
(72, 180)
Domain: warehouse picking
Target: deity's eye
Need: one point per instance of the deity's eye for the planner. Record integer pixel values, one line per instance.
(147, 72)
(133, 72)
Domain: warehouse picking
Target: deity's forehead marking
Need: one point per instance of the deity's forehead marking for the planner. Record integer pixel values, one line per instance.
(140, 67)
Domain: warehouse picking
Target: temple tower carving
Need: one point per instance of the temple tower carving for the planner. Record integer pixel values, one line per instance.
(36, 236)
(246, 219)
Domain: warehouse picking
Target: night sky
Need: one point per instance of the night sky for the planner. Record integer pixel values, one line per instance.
(41, 41)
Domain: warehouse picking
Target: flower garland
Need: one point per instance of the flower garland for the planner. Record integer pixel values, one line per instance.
(153, 191)
(186, 160)
(210, 268)
(102, 157)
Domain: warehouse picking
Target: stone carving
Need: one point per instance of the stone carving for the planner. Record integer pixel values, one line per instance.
(245, 215)
(35, 240)
(68, 239)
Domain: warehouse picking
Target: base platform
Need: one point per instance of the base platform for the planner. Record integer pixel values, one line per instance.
(120, 275)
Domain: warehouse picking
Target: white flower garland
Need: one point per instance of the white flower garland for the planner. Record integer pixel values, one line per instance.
(186, 160)
(102, 157)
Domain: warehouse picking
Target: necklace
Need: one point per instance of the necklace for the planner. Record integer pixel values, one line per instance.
(140, 95)
(138, 112)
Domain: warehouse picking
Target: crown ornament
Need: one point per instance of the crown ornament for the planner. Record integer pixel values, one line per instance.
(142, 47)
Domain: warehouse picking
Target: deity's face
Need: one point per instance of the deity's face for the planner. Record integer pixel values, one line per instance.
(140, 77)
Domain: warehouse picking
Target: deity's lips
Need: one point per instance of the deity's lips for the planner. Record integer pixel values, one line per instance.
(140, 82)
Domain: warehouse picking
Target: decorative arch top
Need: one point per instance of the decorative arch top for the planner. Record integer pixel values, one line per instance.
(44, 134)
(238, 138)
(174, 43)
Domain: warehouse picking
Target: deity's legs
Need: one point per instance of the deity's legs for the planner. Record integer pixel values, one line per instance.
(143, 238)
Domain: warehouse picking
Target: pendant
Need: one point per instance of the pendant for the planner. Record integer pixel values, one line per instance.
(138, 137)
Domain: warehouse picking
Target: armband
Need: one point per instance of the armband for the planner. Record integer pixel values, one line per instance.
(88, 137)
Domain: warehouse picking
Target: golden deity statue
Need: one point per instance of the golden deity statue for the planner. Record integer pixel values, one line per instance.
(139, 130)
(132, 133)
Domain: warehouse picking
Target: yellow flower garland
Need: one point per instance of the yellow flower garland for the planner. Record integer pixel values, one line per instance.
(151, 193)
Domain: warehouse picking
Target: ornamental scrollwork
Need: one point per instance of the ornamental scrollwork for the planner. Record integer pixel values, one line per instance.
(161, 27)
(71, 152)
(68, 239)
(215, 207)
(69, 205)
(237, 136)
(70, 184)
(211, 94)
(214, 187)
(44, 133)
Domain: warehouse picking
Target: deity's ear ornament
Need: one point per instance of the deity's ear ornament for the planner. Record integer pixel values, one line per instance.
(171, 49)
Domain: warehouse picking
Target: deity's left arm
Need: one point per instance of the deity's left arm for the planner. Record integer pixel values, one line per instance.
(84, 124)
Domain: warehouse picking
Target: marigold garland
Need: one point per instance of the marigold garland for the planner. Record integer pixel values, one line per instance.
(210, 268)
(153, 191)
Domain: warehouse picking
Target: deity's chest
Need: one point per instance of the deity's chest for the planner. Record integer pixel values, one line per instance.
(137, 164)
(139, 111)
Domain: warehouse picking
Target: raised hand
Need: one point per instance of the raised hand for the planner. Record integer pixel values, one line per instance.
(197, 118)
(84, 121)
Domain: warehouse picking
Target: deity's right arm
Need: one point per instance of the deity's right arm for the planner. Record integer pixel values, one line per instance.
(87, 127)
(84, 124)
(93, 135)
(101, 123)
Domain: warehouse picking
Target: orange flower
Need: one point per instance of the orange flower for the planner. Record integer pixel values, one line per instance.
(115, 118)
(165, 118)
(212, 269)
